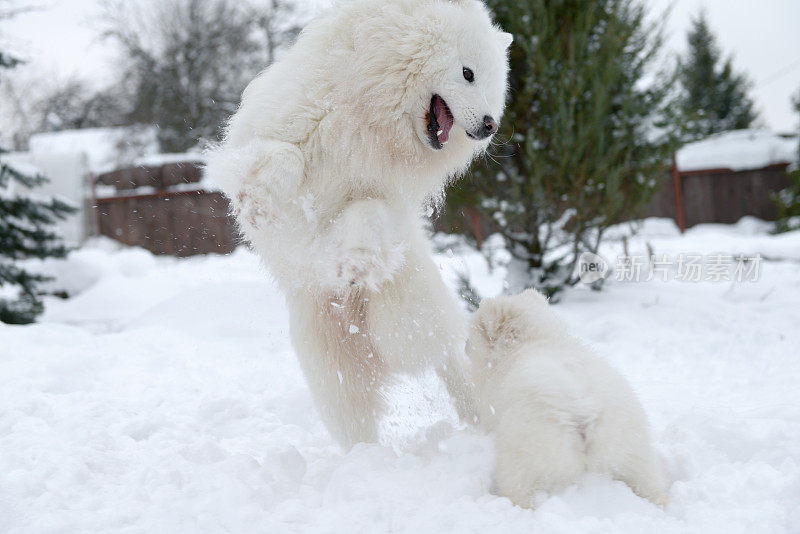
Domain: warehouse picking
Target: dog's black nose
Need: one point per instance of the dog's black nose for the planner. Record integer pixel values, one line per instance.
(489, 126)
(487, 129)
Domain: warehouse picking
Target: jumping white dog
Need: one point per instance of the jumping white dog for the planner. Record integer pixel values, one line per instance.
(557, 410)
(330, 162)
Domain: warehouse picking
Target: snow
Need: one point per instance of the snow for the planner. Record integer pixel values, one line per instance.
(165, 397)
(106, 149)
(157, 160)
(738, 150)
(21, 166)
(750, 236)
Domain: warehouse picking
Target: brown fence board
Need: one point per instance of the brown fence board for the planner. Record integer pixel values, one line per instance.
(721, 195)
(180, 223)
(180, 173)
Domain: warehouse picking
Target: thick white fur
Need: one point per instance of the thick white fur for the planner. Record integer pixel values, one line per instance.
(557, 410)
(329, 169)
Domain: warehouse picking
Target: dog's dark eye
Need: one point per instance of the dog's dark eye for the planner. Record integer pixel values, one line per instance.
(469, 75)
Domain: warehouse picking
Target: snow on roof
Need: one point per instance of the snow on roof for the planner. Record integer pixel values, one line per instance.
(738, 150)
(157, 160)
(105, 148)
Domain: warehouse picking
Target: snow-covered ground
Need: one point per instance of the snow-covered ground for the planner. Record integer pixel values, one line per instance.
(164, 397)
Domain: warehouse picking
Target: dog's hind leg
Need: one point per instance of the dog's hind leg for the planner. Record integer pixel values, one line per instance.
(345, 373)
(644, 474)
(460, 387)
(417, 324)
(535, 454)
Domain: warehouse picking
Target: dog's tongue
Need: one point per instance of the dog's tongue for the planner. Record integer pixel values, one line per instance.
(443, 118)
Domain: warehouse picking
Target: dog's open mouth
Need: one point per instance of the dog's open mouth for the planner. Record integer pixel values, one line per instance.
(440, 121)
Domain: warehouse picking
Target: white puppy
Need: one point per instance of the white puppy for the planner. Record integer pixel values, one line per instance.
(557, 410)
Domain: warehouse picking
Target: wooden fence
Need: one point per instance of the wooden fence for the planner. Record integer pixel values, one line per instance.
(164, 209)
(718, 195)
(690, 198)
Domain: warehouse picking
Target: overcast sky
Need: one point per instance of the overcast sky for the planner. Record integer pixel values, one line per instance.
(764, 38)
(764, 41)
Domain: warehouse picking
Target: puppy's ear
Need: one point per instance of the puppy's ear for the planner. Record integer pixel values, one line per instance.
(534, 298)
(499, 322)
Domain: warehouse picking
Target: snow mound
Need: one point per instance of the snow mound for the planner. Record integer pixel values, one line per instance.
(738, 150)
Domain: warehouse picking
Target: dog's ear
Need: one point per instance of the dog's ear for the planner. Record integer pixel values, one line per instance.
(499, 322)
(535, 299)
(506, 39)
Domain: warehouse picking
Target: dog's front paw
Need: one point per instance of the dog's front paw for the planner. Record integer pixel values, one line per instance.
(366, 248)
(255, 207)
(369, 267)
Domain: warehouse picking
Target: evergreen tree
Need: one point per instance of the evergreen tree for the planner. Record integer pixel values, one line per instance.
(787, 201)
(26, 231)
(588, 137)
(714, 98)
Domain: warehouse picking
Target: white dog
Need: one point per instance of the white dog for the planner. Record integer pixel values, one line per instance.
(557, 410)
(330, 162)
